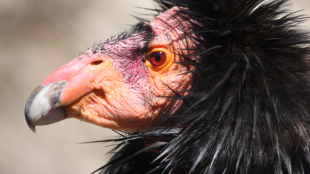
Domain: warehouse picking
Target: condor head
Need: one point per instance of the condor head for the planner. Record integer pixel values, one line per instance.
(122, 84)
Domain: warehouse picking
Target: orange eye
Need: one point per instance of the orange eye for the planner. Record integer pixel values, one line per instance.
(157, 58)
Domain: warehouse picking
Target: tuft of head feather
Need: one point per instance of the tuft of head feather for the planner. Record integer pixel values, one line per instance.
(249, 110)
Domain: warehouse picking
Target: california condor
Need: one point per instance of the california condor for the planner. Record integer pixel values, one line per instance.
(208, 86)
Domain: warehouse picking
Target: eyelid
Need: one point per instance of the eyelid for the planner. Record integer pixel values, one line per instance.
(170, 56)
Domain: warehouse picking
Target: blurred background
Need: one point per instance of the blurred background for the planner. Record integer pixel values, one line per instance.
(37, 37)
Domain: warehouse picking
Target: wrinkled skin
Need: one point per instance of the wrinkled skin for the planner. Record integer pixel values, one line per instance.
(117, 86)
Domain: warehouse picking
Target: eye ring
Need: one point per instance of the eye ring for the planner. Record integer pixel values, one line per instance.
(157, 58)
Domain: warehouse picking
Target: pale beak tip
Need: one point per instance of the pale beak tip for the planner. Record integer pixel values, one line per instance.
(43, 105)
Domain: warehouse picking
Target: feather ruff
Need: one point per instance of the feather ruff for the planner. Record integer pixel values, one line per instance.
(249, 111)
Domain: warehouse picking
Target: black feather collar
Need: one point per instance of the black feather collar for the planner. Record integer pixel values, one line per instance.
(249, 111)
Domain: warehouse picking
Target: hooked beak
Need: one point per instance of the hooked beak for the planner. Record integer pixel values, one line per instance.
(43, 106)
(82, 77)
(47, 103)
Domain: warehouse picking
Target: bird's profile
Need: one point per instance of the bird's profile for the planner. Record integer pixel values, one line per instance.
(208, 86)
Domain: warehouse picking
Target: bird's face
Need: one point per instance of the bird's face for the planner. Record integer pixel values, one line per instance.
(123, 83)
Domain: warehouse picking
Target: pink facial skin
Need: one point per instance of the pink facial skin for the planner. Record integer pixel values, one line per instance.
(114, 86)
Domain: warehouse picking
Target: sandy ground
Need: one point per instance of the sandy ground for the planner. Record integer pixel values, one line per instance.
(36, 37)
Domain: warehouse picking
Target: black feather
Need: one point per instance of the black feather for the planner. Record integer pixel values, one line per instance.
(249, 111)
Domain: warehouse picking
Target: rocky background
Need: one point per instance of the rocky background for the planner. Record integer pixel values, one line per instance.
(36, 37)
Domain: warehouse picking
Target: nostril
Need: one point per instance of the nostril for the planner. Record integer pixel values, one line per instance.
(97, 62)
